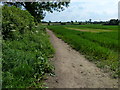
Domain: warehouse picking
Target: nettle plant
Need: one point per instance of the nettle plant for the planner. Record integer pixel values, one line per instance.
(15, 21)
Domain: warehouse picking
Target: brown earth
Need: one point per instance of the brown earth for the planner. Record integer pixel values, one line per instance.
(95, 31)
(73, 70)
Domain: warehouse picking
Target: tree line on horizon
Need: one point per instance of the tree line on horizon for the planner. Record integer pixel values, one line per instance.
(110, 22)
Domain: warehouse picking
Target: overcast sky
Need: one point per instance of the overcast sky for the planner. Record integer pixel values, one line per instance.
(82, 10)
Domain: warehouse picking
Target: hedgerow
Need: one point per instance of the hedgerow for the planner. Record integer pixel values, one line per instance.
(15, 20)
(25, 51)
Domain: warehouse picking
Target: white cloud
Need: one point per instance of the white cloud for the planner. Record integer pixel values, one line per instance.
(86, 9)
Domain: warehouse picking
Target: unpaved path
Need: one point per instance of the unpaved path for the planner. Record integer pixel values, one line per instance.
(72, 70)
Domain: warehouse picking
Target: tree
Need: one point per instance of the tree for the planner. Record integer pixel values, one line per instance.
(114, 22)
(90, 20)
(72, 22)
(37, 9)
(49, 22)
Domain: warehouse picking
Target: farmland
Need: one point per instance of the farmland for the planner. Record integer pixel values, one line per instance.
(96, 26)
(100, 47)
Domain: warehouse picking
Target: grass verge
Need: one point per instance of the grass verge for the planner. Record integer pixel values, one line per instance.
(25, 59)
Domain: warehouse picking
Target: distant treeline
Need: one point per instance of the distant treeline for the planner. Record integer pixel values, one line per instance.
(110, 22)
(113, 22)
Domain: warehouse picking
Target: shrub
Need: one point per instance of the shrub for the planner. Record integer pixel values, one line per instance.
(26, 50)
(15, 20)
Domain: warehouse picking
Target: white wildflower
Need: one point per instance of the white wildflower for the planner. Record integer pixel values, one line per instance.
(11, 24)
(36, 31)
(13, 30)
(27, 26)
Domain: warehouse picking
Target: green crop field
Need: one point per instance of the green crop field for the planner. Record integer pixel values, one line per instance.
(101, 47)
(96, 27)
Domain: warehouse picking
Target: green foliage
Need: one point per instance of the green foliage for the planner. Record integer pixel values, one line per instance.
(25, 61)
(16, 21)
(112, 22)
(95, 46)
(26, 50)
(37, 9)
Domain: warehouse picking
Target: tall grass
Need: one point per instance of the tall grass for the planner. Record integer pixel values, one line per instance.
(25, 60)
(103, 41)
(112, 35)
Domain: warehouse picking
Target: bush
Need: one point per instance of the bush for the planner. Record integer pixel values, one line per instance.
(15, 21)
(63, 23)
(26, 50)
